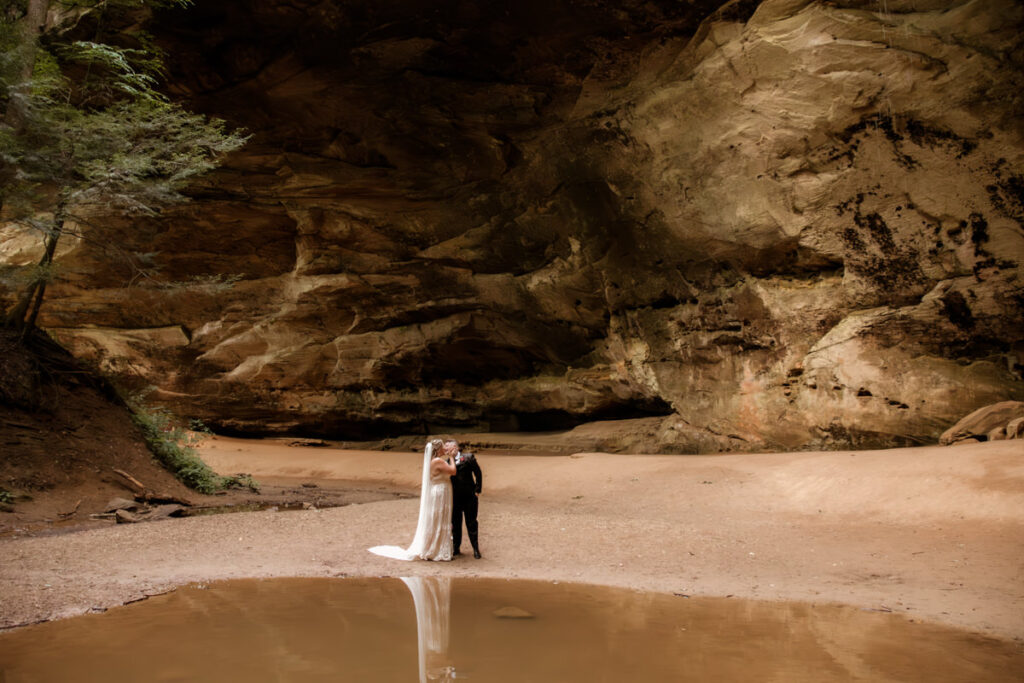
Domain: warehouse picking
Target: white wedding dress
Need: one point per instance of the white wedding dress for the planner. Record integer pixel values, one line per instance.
(433, 538)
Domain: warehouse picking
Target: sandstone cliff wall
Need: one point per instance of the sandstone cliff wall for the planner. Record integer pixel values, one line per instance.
(774, 225)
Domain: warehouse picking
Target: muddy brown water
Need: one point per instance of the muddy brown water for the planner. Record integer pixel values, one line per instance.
(434, 628)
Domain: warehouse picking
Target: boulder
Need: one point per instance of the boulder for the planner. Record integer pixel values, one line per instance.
(122, 504)
(983, 422)
(997, 434)
(165, 511)
(512, 612)
(1015, 428)
(126, 517)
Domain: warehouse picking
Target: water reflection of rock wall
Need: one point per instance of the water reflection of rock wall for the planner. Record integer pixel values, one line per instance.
(432, 597)
(793, 224)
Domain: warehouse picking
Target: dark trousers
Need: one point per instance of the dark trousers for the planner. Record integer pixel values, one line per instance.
(464, 506)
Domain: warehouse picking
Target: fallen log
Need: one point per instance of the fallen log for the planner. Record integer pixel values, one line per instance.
(131, 480)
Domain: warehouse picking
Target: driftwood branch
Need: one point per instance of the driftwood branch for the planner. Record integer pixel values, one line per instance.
(135, 483)
(143, 495)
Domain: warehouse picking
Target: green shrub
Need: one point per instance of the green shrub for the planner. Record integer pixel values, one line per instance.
(173, 448)
(243, 481)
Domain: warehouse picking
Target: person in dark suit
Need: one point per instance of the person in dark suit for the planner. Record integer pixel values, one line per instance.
(467, 484)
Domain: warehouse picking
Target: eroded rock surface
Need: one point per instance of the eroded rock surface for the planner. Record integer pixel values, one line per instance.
(989, 423)
(777, 225)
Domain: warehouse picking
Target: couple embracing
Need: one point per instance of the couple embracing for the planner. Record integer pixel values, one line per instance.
(451, 482)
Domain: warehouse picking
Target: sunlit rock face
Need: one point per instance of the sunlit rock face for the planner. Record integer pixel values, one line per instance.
(773, 225)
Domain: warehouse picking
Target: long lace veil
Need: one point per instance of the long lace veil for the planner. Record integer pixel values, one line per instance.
(419, 540)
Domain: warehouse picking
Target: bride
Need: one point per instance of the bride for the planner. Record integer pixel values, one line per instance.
(433, 539)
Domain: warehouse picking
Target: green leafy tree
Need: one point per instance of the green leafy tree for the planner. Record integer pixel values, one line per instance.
(86, 134)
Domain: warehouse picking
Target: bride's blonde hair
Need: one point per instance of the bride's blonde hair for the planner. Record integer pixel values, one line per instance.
(436, 446)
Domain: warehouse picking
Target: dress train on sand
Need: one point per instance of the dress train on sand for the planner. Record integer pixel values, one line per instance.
(433, 538)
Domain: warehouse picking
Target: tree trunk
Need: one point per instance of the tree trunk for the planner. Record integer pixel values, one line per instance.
(32, 26)
(37, 303)
(32, 297)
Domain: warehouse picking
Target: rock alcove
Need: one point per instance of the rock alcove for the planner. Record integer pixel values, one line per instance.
(753, 225)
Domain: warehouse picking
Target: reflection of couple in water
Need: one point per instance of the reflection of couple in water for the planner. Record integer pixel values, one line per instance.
(432, 596)
(452, 480)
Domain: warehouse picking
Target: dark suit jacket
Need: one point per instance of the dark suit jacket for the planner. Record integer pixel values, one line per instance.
(468, 479)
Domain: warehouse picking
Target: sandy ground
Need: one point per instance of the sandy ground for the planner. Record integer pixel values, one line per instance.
(934, 533)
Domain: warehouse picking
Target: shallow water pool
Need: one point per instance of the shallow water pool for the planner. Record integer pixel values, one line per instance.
(434, 628)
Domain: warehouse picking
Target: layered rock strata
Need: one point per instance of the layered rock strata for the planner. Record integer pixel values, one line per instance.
(775, 225)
